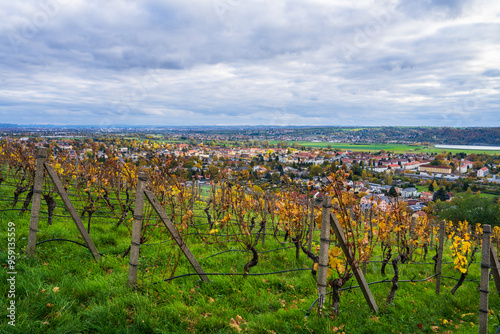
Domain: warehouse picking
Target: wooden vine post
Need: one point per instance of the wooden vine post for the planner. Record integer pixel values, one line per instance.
(412, 235)
(339, 233)
(431, 227)
(485, 280)
(136, 230)
(311, 224)
(193, 189)
(439, 263)
(264, 218)
(324, 246)
(35, 207)
(37, 197)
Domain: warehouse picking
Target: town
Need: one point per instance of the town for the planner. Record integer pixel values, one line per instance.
(417, 178)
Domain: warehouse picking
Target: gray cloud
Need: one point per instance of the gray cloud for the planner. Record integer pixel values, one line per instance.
(289, 62)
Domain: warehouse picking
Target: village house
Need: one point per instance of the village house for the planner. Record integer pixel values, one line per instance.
(465, 165)
(426, 196)
(494, 179)
(409, 192)
(483, 172)
(412, 165)
(383, 203)
(393, 166)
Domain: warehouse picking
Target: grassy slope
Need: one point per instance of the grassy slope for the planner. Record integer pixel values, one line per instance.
(93, 297)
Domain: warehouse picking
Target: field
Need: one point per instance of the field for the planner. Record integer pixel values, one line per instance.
(64, 290)
(396, 148)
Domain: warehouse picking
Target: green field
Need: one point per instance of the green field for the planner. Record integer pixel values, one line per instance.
(396, 148)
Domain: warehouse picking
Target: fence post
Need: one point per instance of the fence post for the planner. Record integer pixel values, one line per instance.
(136, 230)
(311, 224)
(264, 218)
(431, 232)
(442, 230)
(485, 280)
(191, 205)
(324, 246)
(412, 235)
(37, 197)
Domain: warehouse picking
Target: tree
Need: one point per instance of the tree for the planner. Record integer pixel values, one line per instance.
(478, 165)
(389, 180)
(440, 194)
(475, 209)
(356, 169)
(392, 192)
(275, 177)
(431, 187)
(363, 175)
(465, 186)
(212, 172)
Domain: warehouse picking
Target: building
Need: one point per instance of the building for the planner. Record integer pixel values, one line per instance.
(465, 165)
(435, 169)
(384, 203)
(426, 196)
(494, 179)
(409, 192)
(393, 166)
(483, 172)
(412, 165)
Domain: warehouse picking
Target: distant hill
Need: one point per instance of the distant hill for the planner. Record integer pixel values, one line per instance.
(359, 134)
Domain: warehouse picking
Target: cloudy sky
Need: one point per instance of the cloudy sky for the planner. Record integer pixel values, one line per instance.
(254, 62)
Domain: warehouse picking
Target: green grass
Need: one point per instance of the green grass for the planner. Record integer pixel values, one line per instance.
(396, 148)
(92, 297)
(422, 188)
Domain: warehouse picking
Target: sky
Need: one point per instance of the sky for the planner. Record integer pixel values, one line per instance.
(250, 62)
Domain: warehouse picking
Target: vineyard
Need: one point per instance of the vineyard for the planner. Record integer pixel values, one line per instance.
(106, 246)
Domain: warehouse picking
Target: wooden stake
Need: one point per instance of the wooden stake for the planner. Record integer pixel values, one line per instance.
(495, 267)
(311, 224)
(431, 234)
(324, 246)
(439, 267)
(175, 234)
(192, 195)
(485, 280)
(37, 197)
(72, 211)
(135, 243)
(264, 218)
(412, 235)
(339, 233)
